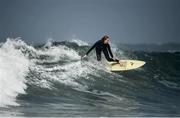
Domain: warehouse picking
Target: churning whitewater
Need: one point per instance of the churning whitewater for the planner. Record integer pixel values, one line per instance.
(52, 80)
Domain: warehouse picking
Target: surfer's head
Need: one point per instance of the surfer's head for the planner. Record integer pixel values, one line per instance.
(105, 39)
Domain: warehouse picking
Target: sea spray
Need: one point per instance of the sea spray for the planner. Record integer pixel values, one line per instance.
(13, 69)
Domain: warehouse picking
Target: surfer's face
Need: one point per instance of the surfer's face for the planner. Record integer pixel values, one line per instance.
(106, 41)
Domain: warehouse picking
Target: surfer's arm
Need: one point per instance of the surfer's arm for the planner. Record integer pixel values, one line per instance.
(109, 49)
(91, 49)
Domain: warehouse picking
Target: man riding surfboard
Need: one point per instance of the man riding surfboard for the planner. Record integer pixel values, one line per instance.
(102, 46)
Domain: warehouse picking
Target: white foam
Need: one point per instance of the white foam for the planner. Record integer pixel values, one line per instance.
(13, 69)
(65, 74)
(59, 52)
(56, 53)
(79, 42)
(49, 43)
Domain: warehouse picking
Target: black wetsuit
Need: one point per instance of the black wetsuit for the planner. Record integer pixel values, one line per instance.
(100, 46)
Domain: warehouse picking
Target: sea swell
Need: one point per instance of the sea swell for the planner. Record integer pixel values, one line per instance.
(52, 80)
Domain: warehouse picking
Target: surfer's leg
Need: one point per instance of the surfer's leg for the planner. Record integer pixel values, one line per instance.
(98, 54)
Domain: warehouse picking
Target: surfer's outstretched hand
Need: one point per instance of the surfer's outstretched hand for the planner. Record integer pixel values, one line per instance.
(83, 56)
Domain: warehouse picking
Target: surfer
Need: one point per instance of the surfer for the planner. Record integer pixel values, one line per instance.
(102, 46)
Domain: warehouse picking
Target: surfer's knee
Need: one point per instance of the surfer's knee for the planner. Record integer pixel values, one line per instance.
(98, 58)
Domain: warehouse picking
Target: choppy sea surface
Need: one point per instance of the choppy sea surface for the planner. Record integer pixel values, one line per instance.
(52, 80)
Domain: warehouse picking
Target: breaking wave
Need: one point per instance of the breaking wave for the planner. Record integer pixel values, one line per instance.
(54, 74)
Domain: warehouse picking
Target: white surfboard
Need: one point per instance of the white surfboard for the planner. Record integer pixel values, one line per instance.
(124, 65)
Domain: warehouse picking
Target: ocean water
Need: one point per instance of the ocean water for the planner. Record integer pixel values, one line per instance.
(51, 80)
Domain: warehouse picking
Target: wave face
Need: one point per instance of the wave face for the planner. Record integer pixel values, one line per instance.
(51, 80)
